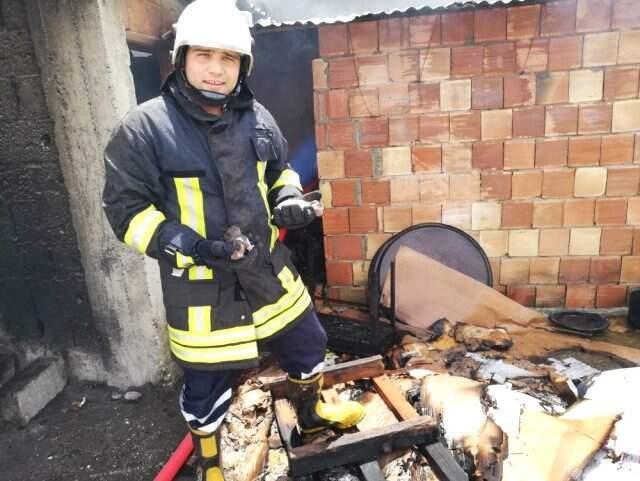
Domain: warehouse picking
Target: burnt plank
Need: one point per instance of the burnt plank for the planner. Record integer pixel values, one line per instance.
(442, 463)
(356, 447)
(388, 390)
(439, 457)
(371, 471)
(347, 371)
(287, 425)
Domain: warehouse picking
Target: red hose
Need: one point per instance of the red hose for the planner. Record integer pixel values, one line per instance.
(177, 460)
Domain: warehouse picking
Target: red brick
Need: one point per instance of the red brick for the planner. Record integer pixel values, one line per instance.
(561, 120)
(341, 135)
(616, 241)
(394, 33)
(466, 61)
(532, 55)
(394, 99)
(373, 69)
(526, 184)
(621, 83)
(550, 296)
(486, 93)
(363, 102)
(523, 22)
(457, 27)
(593, 15)
(342, 73)
(584, 151)
(519, 154)
(374, 132)
(582, 297)
(337, 104)
(574, 269)
(404, 66)
(626, 14)
(617, 149)
(565, 53)
(375, 192)
(558, 18)
(551, 152)
(464, 186)
(552, 88)
(363, 219)
(490, 24)
(487, 155)
(548, 213)
(427, 158)
(519, 90)
(425, 30)
(358, 163)
(319, 106)
(579, 212)
(424, 97)
(339, 273)
(495, 185)
(630, 269)
(517, 215)
(348, 247)
(528, 122)
(524, 295)
(364, 36)
(557, 183)
(333, 39)
(335, 221)
(594, 119)
(465, 126)
(434, 188)
(623, 181)
(500, 58)
(605, 269)
(345, 193)
(608, 296)
(456, 157)
(434, 128)
(321, 137)
(404, 130)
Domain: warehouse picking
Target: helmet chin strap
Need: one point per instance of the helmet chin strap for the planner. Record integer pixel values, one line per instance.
(203, 97)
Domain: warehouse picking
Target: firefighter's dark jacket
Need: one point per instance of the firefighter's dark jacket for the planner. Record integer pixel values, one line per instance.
(175, 175)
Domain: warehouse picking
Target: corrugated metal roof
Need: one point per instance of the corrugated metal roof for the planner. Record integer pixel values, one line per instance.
(269, 13)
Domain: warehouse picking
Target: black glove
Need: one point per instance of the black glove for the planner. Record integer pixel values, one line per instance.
(295, 213)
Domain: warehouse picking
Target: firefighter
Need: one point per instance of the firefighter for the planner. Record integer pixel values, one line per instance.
(198, 179)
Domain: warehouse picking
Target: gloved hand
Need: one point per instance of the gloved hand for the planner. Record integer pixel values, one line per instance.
(295, 213)
(233, 251)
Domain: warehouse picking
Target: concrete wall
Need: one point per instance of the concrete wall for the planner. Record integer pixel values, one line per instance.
(82, 52)
(517, 124)
(43, 295)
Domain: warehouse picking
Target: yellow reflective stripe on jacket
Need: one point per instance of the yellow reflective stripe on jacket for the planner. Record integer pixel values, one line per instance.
(287, 177)
(199, 319)
(183, 261)
(211, 355)
(142, 227)
(262, 187)
(274, 317)
(218, 338)
(191, 202)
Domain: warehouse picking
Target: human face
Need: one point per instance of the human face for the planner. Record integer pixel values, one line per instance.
(212, 69)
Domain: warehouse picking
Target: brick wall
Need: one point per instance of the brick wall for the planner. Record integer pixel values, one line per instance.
(518, 124)
(42, 290)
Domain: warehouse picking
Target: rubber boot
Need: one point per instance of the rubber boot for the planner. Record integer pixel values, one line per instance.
(207, 447)
(315, 415)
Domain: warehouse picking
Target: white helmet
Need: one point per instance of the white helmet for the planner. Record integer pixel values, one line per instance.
(214, 24)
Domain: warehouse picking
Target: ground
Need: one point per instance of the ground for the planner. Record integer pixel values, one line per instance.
(104, 439)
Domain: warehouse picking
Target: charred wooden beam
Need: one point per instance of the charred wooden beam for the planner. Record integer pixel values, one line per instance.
(347, 371)
(287, 424)
(439, 457)
(356, 447)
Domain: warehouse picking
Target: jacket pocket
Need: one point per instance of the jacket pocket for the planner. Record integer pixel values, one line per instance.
(263, 145)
